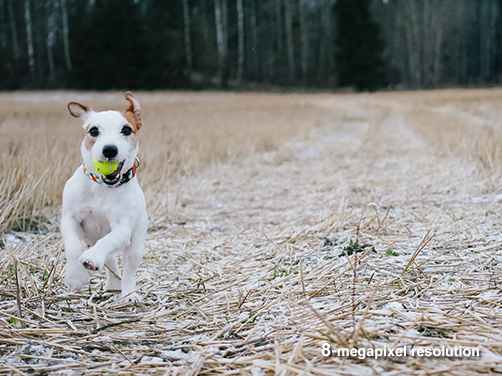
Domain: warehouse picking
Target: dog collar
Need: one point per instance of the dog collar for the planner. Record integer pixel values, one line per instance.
(126, 177)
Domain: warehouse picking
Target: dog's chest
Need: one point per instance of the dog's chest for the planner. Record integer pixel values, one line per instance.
(97, 213)
(94, 223)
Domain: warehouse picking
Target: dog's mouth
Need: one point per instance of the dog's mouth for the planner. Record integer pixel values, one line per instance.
(115, 177)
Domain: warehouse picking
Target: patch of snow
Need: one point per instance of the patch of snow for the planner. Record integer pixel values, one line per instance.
(11, 240)
(134, 334)
(487, 198)
(151, 360)
(174, 355)
(489, 295)
(394, 305)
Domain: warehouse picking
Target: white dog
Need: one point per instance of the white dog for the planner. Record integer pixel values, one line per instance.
(106, 212)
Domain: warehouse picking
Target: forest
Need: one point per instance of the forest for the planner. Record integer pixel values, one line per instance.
(249, 44)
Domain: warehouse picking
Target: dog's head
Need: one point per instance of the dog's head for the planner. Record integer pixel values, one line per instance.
(110, 136)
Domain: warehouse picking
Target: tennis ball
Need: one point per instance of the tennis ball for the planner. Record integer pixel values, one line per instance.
(104, 168)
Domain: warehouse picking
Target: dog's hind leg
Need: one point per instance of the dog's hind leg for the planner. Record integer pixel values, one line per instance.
(131, 259)
(112, 273)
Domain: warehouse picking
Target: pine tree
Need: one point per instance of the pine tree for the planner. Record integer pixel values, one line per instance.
(107, 47)
(358, 46)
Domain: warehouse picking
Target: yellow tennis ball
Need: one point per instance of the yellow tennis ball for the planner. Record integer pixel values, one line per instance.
(104, 168)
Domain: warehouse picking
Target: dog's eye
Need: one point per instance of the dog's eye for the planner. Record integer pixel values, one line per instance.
(126, 131)
(94, 132)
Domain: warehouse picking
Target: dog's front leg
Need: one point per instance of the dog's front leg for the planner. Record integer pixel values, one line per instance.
(118, 238)
(76, 276)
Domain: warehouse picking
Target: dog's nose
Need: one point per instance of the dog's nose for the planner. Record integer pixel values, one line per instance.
(110, 151)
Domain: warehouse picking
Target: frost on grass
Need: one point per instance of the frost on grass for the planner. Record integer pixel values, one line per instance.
(372, 232)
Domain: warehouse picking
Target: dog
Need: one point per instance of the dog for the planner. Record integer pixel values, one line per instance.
(105, 213)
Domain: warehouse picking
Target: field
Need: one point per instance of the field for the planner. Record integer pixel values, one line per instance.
(278, 223)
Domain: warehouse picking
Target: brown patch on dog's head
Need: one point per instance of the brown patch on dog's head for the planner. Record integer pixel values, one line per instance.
(79, 110)
(134, 140)
(133, 113)
(89, 141)
(131, 119)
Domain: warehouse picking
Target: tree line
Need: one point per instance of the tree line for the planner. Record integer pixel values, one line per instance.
(157, 44)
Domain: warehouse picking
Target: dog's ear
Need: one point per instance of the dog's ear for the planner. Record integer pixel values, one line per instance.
(79, 110)
(133, 113)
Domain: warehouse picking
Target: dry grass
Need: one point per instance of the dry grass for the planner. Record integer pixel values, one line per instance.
(40, 141)
(279, 223)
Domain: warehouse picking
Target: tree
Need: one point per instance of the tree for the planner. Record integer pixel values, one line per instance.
(253, 55)
(240, 39)
(188, 43)
(3, 32)
(220, 17)
(51, 38)
(288, 11)
(115, 56)
(29, 38)
(165, 60)
(66, 38)
(13, 27)
(325, 42)
(304, 32)
(359, 47)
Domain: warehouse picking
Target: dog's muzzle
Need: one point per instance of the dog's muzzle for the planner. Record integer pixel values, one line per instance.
(115, 177)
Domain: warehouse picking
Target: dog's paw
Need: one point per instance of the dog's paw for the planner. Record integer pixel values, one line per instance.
(90, 263)
(76, 278)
